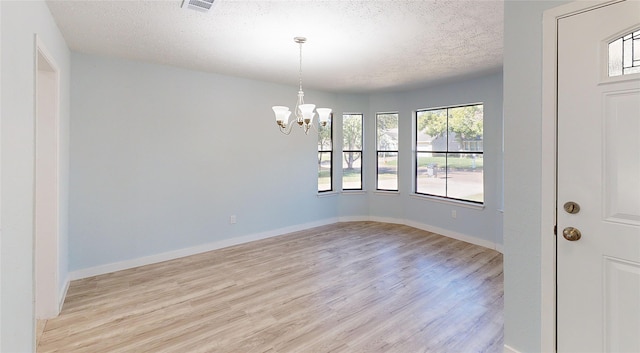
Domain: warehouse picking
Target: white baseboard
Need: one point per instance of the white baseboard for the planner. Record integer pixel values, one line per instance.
(508, 349)
(354, 219)
(63, 293)
(389, 220)
(447, 233)
(171, 255)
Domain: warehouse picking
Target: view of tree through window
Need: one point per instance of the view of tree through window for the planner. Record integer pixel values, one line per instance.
(325, 150)
(449, 153)
(352, 151)
(387, 150)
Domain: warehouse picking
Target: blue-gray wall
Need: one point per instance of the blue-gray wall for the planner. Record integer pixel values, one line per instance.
(162, 156)
(484, 224)
(21, 21)
(522, 178)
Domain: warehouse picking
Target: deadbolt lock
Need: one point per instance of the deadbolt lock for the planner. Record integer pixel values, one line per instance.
(571, 234)
(571, 207)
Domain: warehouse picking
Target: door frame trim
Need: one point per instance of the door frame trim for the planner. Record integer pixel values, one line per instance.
(52, 305)
(548, 168)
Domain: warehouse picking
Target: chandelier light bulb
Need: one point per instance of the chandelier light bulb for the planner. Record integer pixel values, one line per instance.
(323, 115)
(307, 112)
(282, 115)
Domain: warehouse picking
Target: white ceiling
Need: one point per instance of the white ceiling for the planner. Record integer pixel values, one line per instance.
(353, 46)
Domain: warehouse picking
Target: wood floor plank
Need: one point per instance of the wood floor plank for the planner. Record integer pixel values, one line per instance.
(345, 287)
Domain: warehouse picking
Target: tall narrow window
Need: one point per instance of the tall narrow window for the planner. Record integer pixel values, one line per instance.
(624, 55)
(325, 151)
(352, 151)
(449, 153)
(387, 150)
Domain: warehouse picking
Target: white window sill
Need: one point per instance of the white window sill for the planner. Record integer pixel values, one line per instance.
(354, 192)
(459, 203)
(387, 192)
(327, 194)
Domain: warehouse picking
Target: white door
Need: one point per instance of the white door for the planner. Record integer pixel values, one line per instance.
(598, 276)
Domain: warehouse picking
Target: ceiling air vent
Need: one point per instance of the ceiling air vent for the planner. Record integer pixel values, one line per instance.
(200, 5)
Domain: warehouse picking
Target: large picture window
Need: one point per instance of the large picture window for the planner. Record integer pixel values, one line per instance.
(352, 151)
(325, 152)
(387, 151)
(449, 153)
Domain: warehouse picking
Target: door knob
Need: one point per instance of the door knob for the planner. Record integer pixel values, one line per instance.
(571, 234)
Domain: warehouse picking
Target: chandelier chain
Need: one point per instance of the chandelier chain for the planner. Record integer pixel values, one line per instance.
(300, 70)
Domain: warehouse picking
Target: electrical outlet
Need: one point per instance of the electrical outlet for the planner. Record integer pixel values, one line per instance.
(454, 214)
(232, 219)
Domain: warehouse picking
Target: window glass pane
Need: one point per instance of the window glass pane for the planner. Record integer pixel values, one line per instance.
(465, 176)
(325, 147)
(431, 174)
(632, 70)
(624, 55)
(352, 132)
(324, 137)
(465, 128)
(627, 52)
(388, 171)
(431, 126)
(352, 170)
(324, 171)
(615, 58)
(387, 132)
(449, 144)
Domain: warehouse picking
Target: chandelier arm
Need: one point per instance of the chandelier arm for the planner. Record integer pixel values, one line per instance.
(313, 125)
(287, 129)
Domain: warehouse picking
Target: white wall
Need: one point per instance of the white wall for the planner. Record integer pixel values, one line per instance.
(161, 157)
(20, 22)
(482, 224)
(522, 186)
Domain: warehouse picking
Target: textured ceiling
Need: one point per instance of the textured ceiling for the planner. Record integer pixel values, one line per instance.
(353, 46)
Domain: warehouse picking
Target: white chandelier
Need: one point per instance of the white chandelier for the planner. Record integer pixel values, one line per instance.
(304, 113)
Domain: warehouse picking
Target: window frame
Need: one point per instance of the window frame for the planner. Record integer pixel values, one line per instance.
(378, 151)
(361, 151)
(416, 154)
(322, 150)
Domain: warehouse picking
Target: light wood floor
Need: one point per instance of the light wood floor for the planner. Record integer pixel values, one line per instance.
(346, 287)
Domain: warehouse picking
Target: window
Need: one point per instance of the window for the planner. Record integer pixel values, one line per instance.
(387, 150)
(449, 153)
(624, 55)
(352, 152)
(325, 151)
